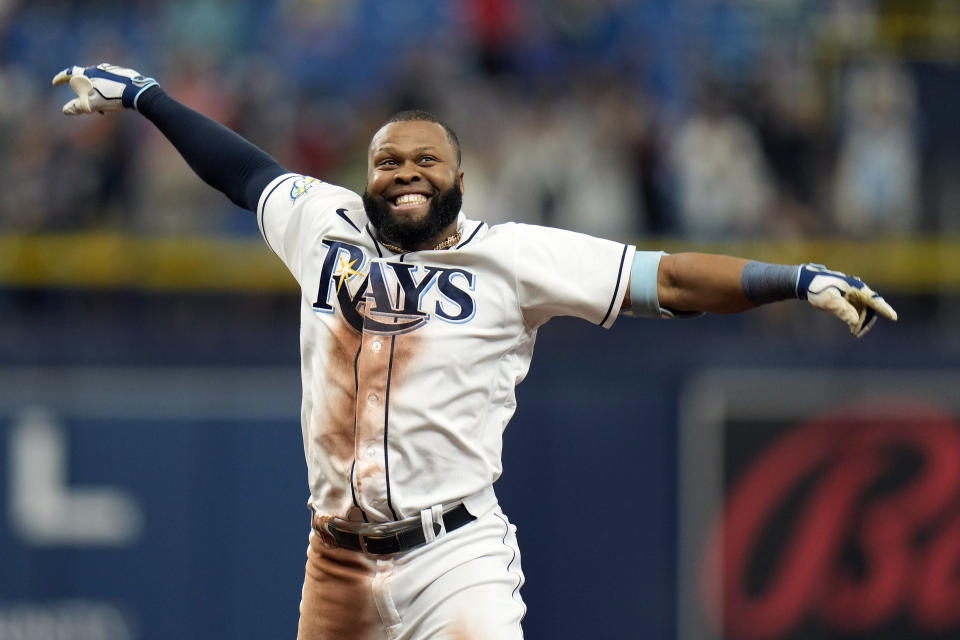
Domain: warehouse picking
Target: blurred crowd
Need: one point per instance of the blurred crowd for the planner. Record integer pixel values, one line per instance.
(705, 119)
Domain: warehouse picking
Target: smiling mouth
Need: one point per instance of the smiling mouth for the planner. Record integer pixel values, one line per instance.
(410, 200)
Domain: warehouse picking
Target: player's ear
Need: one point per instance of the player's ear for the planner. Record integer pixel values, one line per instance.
(460, 180)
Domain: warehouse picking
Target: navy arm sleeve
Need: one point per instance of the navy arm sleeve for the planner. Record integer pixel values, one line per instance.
(223, 159)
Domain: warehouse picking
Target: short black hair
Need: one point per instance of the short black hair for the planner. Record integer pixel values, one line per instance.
(419, 115)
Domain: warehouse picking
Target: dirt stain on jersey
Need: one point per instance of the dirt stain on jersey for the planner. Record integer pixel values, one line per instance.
(459, 631)
(340, 391)
(337, 413)
(383, 366)
(406, 348)
(320, 524)
(370, 471)
(337, 599)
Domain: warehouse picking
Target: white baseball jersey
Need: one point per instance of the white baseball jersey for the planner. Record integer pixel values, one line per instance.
(410, 361)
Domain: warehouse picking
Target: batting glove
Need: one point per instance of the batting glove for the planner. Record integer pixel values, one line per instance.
(848, 298)
(102, 88)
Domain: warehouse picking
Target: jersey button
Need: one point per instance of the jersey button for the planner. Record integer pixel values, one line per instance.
(371, 452)
(376, 346)
(372, 399)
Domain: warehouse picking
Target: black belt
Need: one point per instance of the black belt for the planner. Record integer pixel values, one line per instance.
(394, 542)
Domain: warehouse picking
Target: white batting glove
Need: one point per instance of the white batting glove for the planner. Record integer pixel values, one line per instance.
(102, 88)
(848, 298)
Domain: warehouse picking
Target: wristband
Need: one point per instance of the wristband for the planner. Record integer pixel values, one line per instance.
(763, 282)
(644, 301)
(644, 295)
(152, 83)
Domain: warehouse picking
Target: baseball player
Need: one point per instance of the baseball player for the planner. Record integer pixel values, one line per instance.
(417, 323)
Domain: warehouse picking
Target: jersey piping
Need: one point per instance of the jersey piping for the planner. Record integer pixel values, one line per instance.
(472, 236)
(616, 288)
(262, 206)
(353, 467)
(513, 594)
(386, 421)
(376, 243)
(386, 431)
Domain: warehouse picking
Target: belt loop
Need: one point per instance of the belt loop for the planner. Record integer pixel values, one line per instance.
(426, 523)
(431, 521)
(437, 512)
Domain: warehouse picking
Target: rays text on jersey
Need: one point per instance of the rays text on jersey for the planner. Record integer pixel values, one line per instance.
(391, 297)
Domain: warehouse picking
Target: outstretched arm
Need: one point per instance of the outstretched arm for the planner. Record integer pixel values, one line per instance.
(701, 282)
(221, 158)
(698, 282)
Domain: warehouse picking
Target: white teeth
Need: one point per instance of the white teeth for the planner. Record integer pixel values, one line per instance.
(411, 198)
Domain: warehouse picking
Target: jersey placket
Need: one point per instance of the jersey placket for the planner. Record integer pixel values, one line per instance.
(371, 474)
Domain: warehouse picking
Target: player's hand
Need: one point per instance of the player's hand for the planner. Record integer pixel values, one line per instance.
(102, 88)
(848, 298)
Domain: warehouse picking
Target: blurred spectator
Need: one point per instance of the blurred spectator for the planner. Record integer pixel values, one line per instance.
(559, 164)
(787, 108)
(23, 154)
(171, 198)
(484, 116)
(876, 181)
(533, 161)
(601, 171)
(495, 26)
(566, 109)
(722, 184)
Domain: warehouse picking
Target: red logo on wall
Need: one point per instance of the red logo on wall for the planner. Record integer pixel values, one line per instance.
(864, 506)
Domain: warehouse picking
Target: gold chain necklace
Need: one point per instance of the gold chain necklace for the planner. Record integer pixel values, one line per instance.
(443, 244)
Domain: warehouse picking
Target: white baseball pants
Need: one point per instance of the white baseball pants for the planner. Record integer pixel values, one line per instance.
(465, 585)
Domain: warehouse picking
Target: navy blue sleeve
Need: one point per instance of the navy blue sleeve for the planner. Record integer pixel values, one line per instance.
(222, 158)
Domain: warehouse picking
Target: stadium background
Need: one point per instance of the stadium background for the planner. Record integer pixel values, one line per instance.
(153, 484)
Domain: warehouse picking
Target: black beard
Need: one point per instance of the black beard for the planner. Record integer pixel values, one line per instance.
(444, 208)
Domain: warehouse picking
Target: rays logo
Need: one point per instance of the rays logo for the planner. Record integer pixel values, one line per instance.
(301, 186)
(379, 308)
